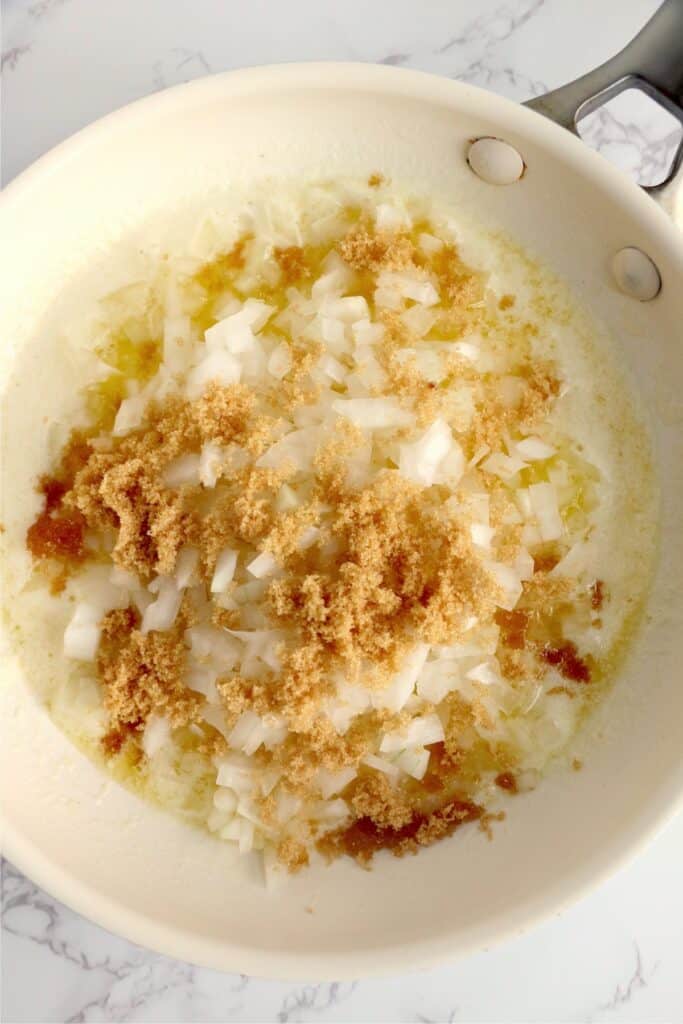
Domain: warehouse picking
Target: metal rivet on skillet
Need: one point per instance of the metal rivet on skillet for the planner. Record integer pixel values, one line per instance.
(635, 274)
(495, 161)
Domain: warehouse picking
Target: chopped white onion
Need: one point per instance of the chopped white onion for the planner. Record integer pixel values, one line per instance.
(183, 470)
(186, 567)
(543, 498)
(156, 735)
(509, 583)
(533, 449)
(482, 535)
(420, 732)
(373, 413)
(210, 463)
(414, 762)
(420, 461)
(367, 333)
(280, 361)
(330, 783)
(219, 366)
(224, 571)
(161, 614)
(263, 565)
(332, 368)
(82, 635)
(390, 218)
(483, 673)
(380, 764)
(298, 447)
(394, 696)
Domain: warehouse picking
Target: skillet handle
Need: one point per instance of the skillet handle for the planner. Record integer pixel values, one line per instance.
(653, 63)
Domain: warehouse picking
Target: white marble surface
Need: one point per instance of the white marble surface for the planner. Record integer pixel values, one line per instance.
(618, 955)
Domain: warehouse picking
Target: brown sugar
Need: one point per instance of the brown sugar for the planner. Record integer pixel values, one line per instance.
(567, 661)
(293, 854)
(362, 839)
(141, 673)
(366, 249)
(292, 263)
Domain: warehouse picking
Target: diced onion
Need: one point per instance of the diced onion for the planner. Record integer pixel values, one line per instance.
(420, 461)
(263, 565)
(219, 366)
(210, 463)
(420, 732)
(156, 735)
(280, 361)
(82, 635)
(373, 413)
(183, 470)
(532, 449)
(330, 783)
(161, 614)
(380, 764)
(509, 582)
(543, 500)
(414, 762)
(224, 571)
(394, 696)
(186, 566)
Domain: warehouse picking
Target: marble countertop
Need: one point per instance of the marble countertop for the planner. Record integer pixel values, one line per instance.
(616, 956)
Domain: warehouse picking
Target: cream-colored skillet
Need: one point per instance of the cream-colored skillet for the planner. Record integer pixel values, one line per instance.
(137, 870)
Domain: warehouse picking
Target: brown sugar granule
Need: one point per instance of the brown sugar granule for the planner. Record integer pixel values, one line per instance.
(293, 854)
(567, 661)
(57, 535)
(212, 276)
(292, 263)
(142, 673)
(124, 489)
(507, 781)
(513, 627)
(366, 249)
(362, 839)
(375, 180)
(506, 301)
(58, 532)
(223, 413)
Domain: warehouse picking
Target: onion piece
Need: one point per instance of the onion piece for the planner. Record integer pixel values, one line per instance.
(156, 735)
(330, 783)
(183, 470)
(280, 361)
(543, 499)
(394, 696)
(263, 565)
(420, 732)
(533, 449)
(226, 564)
(161, 614)
(82, 634)
(219, 366)
(186, 567)
(390, 218)
(414, 762)
(420, 461)
(367, 333)
(210, 463)
(380, 764)
(373, 413)
(509, 583)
